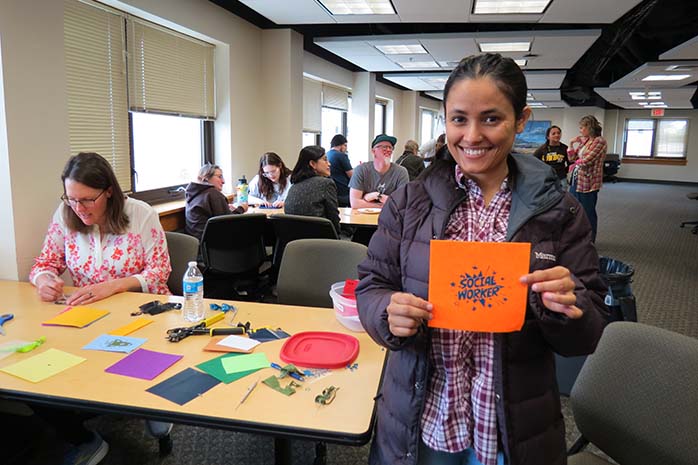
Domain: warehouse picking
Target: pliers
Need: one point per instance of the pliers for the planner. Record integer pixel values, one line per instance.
(3, 319)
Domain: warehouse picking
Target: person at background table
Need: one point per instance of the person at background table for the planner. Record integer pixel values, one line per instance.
(554, 153)
(340, 168)
(430, 149)
(272, 182)
(313, 192)
(410, 160)
(109, 243)
(586, 154)
(452, 396)
(205, 199)
(373, 182)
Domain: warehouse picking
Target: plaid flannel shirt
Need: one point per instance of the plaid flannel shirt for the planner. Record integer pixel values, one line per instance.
(588, 155)
(459, 411)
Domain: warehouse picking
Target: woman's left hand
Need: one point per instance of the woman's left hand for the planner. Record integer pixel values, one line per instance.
(92, 293)
(556, 289)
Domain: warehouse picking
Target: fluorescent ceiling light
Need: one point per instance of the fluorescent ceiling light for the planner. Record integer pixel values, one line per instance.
(419, 64)
(401, 49)
(639, 95)
(536, 104)
(494, 7)
(359, 7)
(505, 47)
(521, 62)
(438, 83)
(666, 77)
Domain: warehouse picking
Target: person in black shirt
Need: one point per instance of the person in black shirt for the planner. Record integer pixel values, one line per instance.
(554, 153)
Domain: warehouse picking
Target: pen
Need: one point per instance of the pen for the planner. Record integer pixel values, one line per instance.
(248, 392)
(293, 375)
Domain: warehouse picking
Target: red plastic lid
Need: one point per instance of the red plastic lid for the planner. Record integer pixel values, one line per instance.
(320, 349)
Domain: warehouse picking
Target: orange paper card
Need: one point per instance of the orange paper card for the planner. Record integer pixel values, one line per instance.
(474, 286)
(131, 327)
(213, 346)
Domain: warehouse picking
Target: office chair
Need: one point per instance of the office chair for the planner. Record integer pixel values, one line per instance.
(310, 266)
(692, 196)
(183, 249)
(636, 398)
(288, 228)
(232, 249)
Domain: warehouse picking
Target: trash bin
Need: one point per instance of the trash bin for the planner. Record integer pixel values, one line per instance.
(619, 299)
(621, 305)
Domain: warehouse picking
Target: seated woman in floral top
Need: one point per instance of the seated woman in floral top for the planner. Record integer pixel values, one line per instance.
(109, 243)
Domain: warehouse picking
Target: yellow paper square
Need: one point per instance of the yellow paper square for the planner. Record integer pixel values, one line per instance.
(77, 316)
(43, 365)
(131, 327)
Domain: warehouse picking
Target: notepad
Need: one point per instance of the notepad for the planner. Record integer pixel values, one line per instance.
(43, 366)
(78, 317)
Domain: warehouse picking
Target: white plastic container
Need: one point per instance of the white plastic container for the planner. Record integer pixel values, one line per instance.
(345, 308)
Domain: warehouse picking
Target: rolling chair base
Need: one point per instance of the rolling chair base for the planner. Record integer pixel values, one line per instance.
(693, 223)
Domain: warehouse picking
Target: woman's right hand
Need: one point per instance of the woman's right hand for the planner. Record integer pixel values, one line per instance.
(49, 288)
(371, 196)
(406, 312)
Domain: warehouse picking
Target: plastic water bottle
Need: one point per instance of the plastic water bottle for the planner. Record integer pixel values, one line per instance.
(193, 288)
(243, 190)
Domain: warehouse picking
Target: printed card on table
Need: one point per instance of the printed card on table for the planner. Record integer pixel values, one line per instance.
(474, 286)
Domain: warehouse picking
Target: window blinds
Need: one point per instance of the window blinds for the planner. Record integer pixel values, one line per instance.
(334, 97)
(96, 85)
(312, 103)
(169, 72)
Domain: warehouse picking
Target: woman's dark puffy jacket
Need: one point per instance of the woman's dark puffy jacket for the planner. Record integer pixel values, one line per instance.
(530, 423)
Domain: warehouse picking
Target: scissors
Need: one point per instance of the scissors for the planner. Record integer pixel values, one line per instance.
(3, 319)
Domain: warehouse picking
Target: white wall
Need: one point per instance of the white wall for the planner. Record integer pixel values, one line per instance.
(615, 122)
(35, 132)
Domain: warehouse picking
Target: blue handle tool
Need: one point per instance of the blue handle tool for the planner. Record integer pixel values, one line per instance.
(3, 319)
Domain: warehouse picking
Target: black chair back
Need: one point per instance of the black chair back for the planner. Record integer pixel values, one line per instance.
(183, 249)
(292, 227)
(234, 244)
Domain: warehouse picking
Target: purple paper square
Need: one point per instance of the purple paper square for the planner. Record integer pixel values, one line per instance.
(144, 364)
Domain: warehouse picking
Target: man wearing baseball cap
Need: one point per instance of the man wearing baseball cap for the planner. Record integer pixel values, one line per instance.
(373, 182)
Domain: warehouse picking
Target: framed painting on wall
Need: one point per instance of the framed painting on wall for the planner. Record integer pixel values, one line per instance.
(532, 137)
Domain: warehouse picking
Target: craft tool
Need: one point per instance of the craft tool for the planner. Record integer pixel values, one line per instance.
(3, 319)
(177, 334)
(247, 393)
(284, 372)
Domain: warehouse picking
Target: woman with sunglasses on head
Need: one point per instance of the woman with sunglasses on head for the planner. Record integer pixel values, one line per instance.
(554, 153)
(313, 192)
(205, 199)
(108, 242)
(270, 185)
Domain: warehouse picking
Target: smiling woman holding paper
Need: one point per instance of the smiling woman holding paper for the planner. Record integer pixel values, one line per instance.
(477, 396)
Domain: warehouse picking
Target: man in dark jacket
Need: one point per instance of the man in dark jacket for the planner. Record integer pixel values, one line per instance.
(530, 428)
(205, 199)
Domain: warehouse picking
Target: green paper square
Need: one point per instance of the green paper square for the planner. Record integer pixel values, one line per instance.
(214, 367)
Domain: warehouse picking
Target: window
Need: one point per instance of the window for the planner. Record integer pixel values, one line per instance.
(333, 122)
(429, 120)
(311, 138)
(166, 150)
(655, 138)
(379, 118)
(170, 95)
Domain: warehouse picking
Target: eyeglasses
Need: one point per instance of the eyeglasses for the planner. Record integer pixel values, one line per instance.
(269, 174)
(384, 148)
(86, 203)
